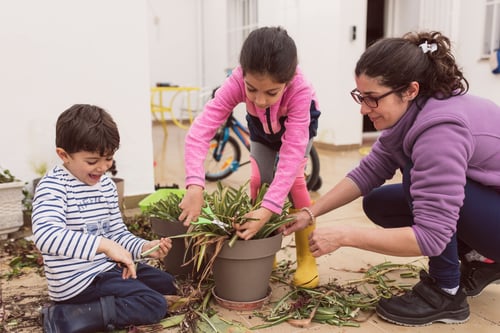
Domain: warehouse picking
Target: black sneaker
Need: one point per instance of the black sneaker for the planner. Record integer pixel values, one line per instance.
(476, 275)
(425, 304)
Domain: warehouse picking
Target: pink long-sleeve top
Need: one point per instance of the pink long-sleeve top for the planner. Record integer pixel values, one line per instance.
(294, 105)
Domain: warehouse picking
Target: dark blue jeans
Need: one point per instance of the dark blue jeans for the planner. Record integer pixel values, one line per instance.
(478, 226)
(137, 301)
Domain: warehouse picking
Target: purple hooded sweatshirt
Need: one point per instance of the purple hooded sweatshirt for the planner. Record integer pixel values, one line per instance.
(447, 141)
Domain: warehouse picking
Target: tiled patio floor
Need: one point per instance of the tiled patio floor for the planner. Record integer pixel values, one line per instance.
(485, 309)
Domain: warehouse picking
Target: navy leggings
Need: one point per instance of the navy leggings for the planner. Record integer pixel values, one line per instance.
(478, 226)
(137, 301)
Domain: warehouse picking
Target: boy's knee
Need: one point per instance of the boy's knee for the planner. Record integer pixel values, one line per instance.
(157, 305)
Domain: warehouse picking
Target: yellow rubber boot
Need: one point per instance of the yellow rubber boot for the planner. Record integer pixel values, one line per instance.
(306, 275)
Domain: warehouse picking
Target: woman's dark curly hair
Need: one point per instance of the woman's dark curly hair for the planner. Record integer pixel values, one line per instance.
(396, 62)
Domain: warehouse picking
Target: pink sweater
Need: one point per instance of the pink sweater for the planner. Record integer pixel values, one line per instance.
(294, 104)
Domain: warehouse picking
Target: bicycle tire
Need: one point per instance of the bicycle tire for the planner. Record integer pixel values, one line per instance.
(229, 162)
(312, 172)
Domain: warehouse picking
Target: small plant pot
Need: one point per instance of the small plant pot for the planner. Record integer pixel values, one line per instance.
(11, 208)
(242, 272)
(174, 260)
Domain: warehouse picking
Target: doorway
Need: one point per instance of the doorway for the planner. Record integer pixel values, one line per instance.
(374, 31)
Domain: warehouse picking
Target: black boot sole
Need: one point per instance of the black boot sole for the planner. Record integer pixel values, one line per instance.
(448, 317)
(478, 291)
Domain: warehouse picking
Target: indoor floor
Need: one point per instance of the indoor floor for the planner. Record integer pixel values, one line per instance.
(485, 309)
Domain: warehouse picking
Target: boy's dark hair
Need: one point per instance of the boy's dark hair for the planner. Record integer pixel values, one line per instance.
(85, 127)
(269, 50)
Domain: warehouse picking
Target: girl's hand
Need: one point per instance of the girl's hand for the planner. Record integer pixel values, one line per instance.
(164, 245)
(300, 221)
(257, 218)
(191, 204)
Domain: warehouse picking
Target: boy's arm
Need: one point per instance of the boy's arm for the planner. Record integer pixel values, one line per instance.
(118, 253)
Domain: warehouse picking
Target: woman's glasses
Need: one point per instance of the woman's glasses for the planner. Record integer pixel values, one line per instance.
(371, 101)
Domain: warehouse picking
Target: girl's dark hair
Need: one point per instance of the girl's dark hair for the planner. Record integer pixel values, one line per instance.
(269, 50)
(398, 61)
(85, 127)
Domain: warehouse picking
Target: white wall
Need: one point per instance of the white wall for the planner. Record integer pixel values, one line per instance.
(327, 55)
(56, 53)
(463, 22)
(468, 51)
(174, 42)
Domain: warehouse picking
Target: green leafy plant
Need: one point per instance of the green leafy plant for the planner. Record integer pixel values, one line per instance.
(226, 207)
(27, 200)
(166, 208)
(40, 168)
(6, 176)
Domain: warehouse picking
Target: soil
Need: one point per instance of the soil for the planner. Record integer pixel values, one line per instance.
(23, 290)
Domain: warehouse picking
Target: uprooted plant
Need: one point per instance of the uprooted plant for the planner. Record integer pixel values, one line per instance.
(226, 207)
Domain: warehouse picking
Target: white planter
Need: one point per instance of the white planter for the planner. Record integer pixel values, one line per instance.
(11, 208)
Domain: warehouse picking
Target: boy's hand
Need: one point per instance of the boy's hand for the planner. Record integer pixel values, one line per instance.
(164, 245)
(118, 253)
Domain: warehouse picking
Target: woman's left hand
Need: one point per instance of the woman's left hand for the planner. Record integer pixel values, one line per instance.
(165, 244)
(325, 240)
(258, 218)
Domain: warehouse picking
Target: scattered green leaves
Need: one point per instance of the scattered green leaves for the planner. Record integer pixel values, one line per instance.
(25, 255)
(336, 304)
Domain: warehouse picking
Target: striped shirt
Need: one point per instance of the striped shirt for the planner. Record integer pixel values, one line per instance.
(69, 218)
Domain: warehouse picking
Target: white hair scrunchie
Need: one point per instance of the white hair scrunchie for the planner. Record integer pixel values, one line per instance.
(428, 47)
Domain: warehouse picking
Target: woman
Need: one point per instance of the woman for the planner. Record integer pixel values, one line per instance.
(447, 145)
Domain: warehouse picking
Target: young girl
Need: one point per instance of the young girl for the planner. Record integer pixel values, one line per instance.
(447, 145)
(282, 118)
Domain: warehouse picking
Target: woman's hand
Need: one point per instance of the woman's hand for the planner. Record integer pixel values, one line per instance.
(191, 204)
(164, 245)
(258, 218)
(326, 240)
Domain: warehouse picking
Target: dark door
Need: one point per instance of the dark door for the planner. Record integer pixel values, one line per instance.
(374, 31)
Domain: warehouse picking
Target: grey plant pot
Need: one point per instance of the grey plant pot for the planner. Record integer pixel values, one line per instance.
(174, 260)
(242, 272)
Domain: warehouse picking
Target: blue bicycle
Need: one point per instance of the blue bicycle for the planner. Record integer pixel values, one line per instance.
(224, 155)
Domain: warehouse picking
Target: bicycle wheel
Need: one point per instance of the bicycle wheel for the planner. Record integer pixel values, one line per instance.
(229, 159)
(313, 179)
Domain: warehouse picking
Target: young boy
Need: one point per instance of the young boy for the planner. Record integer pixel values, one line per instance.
(87, 250)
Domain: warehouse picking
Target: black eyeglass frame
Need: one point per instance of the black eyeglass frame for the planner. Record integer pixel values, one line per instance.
(358, 98)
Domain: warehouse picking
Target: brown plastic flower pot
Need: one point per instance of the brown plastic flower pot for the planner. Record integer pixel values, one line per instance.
(242, 272)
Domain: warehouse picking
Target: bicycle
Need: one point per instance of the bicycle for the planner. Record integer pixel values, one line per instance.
(224, 154)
